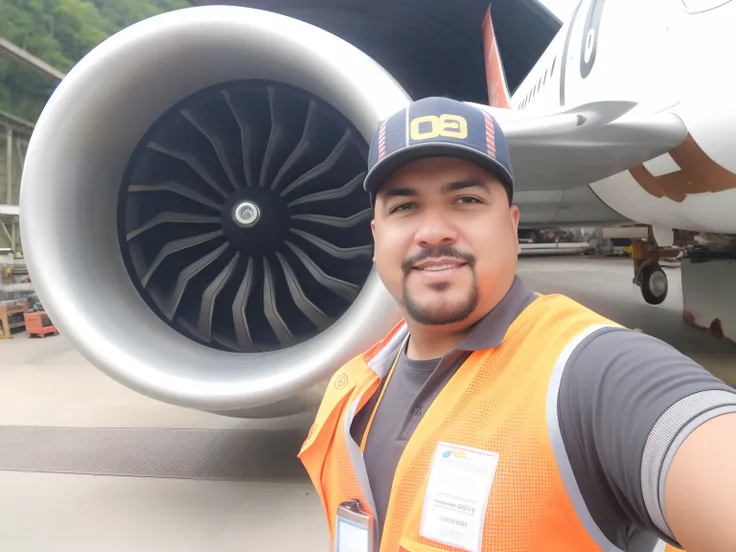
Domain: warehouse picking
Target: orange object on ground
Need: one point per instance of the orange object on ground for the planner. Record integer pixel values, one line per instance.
(38, 323)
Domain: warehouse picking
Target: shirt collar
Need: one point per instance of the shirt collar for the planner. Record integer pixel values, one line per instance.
(490, 330)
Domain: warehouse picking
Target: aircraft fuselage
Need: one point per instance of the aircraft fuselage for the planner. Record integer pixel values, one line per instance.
(666, 57)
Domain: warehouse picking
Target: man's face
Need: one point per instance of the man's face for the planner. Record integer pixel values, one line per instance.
(446, 240)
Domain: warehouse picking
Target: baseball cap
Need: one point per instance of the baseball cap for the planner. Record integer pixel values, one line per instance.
(433, 127)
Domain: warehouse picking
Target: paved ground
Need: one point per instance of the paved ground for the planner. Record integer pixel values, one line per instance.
(237, 477)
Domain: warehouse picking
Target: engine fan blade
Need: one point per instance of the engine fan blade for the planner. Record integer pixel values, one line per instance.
(250, 252)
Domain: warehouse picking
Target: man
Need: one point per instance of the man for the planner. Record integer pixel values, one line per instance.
(496, 419)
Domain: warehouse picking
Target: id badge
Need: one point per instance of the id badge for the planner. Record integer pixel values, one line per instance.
(354, 529)
(457, 494)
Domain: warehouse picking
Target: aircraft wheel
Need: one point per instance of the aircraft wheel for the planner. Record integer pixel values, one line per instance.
(653, 284)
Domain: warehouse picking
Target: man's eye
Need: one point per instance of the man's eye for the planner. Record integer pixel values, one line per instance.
(402, 207)
(468, 199)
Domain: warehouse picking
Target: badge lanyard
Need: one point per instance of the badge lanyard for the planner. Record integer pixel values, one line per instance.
(355, 528)
(380, 396)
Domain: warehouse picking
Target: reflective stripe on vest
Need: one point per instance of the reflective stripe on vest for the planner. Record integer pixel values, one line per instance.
(331, 457)
(563, 461)
(534, 503)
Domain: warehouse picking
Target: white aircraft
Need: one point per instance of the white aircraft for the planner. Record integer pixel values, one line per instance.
(194, 222)
(627, 117)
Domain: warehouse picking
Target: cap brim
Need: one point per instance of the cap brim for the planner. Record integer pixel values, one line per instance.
(383, 170)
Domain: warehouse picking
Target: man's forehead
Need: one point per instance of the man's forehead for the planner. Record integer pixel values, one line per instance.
(438, 178)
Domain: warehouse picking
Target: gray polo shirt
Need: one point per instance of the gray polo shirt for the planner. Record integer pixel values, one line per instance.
(626, 399)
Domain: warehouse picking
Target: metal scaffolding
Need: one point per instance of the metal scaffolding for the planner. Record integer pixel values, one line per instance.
(16, 133)
(26, 58)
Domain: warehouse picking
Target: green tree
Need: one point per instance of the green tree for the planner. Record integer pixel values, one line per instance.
(122, 13)
(60, 32)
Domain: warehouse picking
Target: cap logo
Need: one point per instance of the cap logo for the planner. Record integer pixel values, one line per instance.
(431, 126)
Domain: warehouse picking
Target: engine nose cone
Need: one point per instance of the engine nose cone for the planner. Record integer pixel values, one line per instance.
(255, 221)
(246, 214)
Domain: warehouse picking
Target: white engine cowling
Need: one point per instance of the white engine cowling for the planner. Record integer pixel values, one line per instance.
(192, 210)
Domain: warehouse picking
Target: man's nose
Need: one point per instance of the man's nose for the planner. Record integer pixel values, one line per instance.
(434, 229)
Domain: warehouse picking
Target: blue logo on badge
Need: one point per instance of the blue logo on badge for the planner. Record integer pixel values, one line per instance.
(454, 453)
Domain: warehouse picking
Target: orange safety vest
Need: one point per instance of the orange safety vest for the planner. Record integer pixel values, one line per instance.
(502, 400)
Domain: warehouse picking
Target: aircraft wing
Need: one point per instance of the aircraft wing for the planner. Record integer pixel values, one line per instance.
(584, 144)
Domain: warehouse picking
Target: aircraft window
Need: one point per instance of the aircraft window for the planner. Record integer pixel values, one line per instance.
(552, 71)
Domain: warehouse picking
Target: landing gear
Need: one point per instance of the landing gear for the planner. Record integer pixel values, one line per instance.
(648, 275)
(707, 269)
(653, 284)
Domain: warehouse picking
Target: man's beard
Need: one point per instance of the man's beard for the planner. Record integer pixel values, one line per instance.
(441, 313)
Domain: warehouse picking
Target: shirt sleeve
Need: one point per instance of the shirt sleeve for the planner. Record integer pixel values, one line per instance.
(627, 401)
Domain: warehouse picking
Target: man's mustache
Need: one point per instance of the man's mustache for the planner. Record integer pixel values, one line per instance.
(437, 251)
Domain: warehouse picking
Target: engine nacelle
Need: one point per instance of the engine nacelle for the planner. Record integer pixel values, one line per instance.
(192, 210)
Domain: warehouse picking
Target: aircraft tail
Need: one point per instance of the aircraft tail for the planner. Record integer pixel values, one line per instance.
(498, 90)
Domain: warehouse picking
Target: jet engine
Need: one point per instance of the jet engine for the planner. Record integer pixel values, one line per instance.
(192, 209)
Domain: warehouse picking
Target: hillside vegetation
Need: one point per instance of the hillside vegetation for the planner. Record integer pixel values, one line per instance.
(60, 32)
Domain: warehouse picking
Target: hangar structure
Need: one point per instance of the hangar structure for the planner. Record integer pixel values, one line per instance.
(431, 47)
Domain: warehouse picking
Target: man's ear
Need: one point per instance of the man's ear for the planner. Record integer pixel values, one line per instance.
(373, 231)
(514, 212)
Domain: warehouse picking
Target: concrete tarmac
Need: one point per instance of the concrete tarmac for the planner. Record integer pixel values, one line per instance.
(68, 434)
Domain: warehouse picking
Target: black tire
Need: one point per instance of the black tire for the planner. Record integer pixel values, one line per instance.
(654, 286)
